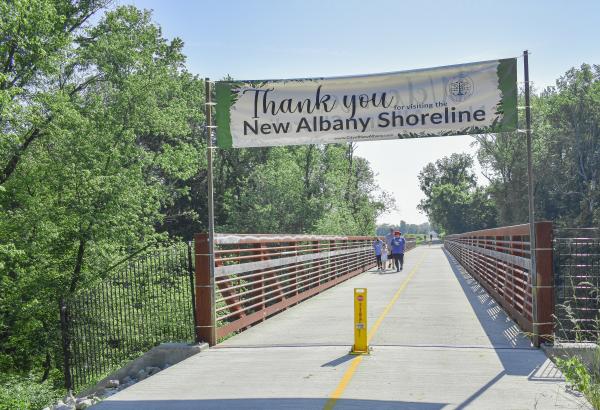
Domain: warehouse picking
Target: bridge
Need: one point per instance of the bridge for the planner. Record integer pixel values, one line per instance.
(450, 331)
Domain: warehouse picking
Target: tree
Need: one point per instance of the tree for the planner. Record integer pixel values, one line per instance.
(88, 161)
(298, 190)
(453, 201)
(568, 133)
(405, 228)
(36, 38)
(566, 155)
(504, 160)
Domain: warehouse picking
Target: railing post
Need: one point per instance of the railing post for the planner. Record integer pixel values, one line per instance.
(545, 282)
(66, 343)
(205, 292)
(263, 250)
(192, 288)
(332, 262)
(314, 248)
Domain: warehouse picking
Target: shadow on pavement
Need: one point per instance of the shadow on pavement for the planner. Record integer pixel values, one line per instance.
(263, 403)
(336, 362)
(513, 348)
(504, 334)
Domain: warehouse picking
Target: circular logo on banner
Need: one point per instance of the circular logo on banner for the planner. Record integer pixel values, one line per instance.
(359, 298)
(460, 88)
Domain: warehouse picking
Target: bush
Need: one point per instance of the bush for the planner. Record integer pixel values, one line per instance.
(26, 393)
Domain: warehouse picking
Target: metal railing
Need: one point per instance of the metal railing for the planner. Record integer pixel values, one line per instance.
(577, 284)
(145, 301)
(499, 259)
(257, 276)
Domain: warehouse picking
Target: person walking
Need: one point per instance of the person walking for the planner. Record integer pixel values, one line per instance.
(388, 241)
(384, 256)
(378, 248)
(398, 246)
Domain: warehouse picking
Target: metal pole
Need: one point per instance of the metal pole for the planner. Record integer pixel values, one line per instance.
(66, 344)
(211, 212)
(532, 245)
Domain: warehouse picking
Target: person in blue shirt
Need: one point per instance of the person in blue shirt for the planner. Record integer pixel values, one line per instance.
(378, 248)
(398, 246)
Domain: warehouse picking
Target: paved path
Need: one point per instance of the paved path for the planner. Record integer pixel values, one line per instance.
(439, 342)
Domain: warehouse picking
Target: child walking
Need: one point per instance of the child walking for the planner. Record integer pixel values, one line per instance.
(384, 257)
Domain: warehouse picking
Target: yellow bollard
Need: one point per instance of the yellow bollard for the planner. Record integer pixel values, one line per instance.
(360, 322)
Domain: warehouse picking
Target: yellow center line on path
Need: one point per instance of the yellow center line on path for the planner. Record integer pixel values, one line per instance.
(336, 394)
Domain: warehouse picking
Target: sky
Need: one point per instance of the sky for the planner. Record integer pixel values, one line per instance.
(307, 38)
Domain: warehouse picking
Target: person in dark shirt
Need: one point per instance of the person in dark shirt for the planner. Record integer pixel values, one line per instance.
(388, 241)
(398, 247)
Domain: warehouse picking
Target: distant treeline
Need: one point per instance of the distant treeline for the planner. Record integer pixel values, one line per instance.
(405, 228)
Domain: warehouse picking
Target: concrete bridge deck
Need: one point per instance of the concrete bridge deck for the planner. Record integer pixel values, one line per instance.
(439, 342)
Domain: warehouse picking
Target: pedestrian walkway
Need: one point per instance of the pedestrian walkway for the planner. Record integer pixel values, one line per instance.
(439, 342)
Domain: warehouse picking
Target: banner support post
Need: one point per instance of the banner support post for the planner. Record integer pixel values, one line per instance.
(532, 241)
(211, 213)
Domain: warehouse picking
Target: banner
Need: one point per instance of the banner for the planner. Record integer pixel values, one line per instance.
(463, 99)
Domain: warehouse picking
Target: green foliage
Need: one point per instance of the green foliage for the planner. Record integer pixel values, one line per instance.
(102, 153)
(406, 229)
(503, 158)
(575, 373)
(453, 201)
(566, 160)
(582, 378)
(145, 301)
(566, 155)
(306, 189)
(26, 393)
(97, 123)
(568, 148)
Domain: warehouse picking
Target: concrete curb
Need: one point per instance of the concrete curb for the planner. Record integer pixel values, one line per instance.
(161, 357)
(588, 352)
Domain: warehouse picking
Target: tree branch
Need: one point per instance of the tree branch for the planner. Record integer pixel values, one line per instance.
(14, 160)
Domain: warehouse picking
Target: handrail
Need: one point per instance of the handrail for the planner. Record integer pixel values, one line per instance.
(500, 260)
(258, 275)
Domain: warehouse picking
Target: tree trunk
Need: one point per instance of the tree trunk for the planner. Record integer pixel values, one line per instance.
(46, 367)
(307, 168)
(78, 265)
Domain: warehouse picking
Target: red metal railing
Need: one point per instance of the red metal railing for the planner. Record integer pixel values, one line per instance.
(499, 259)
(257, 276)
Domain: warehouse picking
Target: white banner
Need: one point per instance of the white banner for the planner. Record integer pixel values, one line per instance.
(471, 98)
